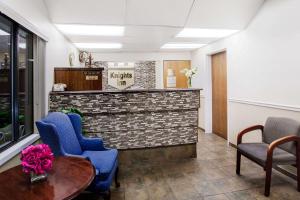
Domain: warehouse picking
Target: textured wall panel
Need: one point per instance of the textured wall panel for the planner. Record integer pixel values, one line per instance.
(136, 118)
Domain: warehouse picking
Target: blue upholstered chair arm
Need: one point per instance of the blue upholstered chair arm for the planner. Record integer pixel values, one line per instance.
(92, 144)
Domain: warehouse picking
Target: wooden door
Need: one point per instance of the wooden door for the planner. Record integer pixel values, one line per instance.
(219, 94)
(177, 66)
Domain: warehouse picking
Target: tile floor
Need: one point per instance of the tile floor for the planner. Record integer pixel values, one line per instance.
(211, 176)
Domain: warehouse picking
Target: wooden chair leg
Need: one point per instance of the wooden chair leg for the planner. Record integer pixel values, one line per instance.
(116, 178)
(238, 162)
(268, 180)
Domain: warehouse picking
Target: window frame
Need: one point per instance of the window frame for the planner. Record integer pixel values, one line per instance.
(14, 83)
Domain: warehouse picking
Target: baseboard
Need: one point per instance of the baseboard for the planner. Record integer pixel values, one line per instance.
(201, 129)
(157, 154)
(233, 145)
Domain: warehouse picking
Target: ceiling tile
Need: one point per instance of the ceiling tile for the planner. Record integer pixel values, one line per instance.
(157, 12)
(151, 32)
(229, 14)
(87, 12)
(151, 23)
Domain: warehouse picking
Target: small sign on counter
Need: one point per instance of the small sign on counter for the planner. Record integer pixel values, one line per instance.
(91, 78)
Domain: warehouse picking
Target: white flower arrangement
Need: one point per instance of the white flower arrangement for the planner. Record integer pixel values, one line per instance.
(189, 73)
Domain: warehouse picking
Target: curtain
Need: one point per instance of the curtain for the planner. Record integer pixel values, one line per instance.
(39, 78)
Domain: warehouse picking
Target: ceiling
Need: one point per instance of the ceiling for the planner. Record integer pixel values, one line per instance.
(151, 23)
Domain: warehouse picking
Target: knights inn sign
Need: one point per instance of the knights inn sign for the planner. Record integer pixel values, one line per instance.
(121, 78)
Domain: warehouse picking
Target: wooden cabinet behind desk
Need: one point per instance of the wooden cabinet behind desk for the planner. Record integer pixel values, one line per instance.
(79, 79)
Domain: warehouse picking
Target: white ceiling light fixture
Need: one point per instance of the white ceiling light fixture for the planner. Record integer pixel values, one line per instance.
(98, 45)
(182, 46)
(78, 29)
(205, 33)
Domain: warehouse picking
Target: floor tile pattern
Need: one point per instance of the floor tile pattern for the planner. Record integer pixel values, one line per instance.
(211, 176)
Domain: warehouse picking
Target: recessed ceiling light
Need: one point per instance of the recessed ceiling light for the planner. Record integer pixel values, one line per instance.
(77, 29)
(3, 32)
(98, 45)
(205, 33)
(181, 46)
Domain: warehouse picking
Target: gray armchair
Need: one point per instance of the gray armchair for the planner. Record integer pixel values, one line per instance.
(280, 146)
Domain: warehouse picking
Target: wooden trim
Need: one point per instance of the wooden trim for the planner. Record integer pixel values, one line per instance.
(125, 91)
(290, 138)
(247, 130)
(77, 69)
(266, 104)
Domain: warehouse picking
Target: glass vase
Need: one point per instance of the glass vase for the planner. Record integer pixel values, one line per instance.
(37, 177)
(189, 82)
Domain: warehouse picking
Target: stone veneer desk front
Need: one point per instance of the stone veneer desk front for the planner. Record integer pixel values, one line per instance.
(134, 119)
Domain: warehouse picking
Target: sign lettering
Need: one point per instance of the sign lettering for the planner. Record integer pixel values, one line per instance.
(121, 78)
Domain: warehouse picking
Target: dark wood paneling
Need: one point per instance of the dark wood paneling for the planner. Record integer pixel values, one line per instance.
(79, 79)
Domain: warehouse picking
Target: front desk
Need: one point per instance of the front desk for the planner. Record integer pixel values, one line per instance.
(138, 119)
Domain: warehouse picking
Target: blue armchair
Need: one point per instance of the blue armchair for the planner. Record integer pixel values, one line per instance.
(63, 133)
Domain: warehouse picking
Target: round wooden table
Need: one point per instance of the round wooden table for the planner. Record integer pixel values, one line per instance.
(67, 179)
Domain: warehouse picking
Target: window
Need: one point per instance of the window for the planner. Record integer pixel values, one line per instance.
(16, 82)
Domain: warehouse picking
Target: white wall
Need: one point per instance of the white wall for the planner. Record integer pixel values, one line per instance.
(33, 15)
(159, 57)
(262, 68)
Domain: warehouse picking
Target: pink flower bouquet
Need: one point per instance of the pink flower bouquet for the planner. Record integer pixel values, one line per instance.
(37, 159)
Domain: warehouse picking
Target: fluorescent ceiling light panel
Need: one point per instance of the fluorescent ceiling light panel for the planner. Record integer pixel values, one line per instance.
(98, 45)
(205, 33)
(182, 46)
(77, 29)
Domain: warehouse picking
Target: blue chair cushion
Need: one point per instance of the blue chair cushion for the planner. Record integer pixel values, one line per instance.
(104, 161)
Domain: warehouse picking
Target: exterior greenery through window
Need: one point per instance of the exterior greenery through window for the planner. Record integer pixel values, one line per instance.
(16, 82)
